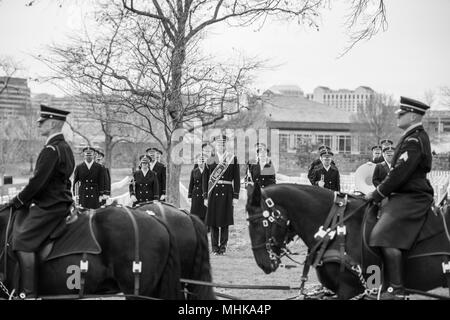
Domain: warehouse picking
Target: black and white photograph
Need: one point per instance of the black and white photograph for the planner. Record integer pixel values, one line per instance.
(243, 151)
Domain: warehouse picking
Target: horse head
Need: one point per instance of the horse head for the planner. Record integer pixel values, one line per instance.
(268, 228)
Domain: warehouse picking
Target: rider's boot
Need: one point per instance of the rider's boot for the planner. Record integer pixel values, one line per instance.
(393, 263)
(27, 263)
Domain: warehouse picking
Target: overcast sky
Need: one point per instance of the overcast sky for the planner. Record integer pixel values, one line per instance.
(411, 57)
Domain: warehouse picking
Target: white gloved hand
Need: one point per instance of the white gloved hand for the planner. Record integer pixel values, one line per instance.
(133, 199)
(163, 197)
(321, 183)
(205, 202)
(235, 202)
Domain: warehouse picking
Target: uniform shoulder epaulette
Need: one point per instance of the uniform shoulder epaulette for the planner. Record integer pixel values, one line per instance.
(51, 147)
(413, 139)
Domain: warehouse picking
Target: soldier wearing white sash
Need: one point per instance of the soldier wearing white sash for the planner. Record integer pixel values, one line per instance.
(221, 185)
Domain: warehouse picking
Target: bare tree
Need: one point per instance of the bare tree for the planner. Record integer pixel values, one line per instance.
(445, 91)
(117, 125)
(368, 17)
(430, 97)
(17, 141)
(8, 68)
(147, 56)
(375, 121)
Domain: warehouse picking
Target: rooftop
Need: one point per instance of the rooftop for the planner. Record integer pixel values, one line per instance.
(281, 89)
(278, 108)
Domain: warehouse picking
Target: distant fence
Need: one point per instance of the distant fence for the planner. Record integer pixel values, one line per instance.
(439, 180)
(9, 191)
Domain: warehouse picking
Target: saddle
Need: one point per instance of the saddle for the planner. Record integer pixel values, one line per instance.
(432, 239)
(73, 235)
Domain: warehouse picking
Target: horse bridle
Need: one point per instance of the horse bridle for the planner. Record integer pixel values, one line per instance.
(270, 216)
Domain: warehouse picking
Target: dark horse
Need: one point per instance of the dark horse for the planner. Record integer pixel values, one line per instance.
(110, 271)
(192, 241)
(301, 210)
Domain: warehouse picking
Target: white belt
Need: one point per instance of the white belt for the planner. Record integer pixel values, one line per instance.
(224, 182)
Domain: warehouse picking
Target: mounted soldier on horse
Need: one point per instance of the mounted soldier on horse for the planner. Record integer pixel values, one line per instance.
(413, 240)
(47, 244)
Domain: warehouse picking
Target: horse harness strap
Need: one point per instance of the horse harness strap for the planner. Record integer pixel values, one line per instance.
(84, 263)
(83, 270)
(326, 238)
(336, 212)
(271, 215)
(341, 232)
(326, 233)
(446, 271)
(137, 264)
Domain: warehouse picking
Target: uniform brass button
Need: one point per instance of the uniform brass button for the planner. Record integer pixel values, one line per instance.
(217, 194)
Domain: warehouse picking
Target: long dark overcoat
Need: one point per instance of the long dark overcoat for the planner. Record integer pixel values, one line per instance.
(219, 212)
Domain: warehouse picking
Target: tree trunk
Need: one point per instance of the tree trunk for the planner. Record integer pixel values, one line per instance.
(109, 146)
(175, 107)
(31, 164)
(173, 179)
(2, 176)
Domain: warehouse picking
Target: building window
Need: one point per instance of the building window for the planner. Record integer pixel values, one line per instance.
(344, 144)
(324, 139)
(302, 139)
(284, 141)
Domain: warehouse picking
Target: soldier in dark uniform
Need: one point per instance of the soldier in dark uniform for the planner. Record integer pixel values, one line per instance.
(382, 169)
(409, 195)
(327, 176)
(376, 154)
(144, 186)
(263, 171)
(90, 176)
(221, 186)
(46, 199)
(316, 164)
(386, 143)
(106, 186)
(207, 153)
(195, 191)
(159, 169)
